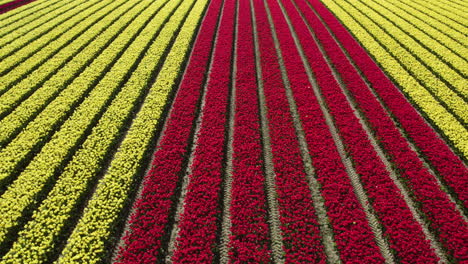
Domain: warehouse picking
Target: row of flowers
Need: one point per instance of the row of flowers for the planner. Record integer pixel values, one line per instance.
(21, 18)
(250, 241)
(37, 132)
(12, 4)
(435, 75)
(200, 219)
(17, 47)
(440, 211)
(72, 184)
(445, 42)
(353, 236)
(149, 223)
(405, 235)
(442, 119)
(447, 12)
(90, 239)
(299, 225)
(25, 99)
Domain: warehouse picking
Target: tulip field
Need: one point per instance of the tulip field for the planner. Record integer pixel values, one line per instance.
(233, 131)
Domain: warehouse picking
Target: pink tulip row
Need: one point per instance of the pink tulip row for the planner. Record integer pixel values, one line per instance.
(198, 234)
(299, 226)
(441, 157)
(440, 211)
(250, 232)
(13, 4)
(405, 235)
(149, 223)
(352, 233)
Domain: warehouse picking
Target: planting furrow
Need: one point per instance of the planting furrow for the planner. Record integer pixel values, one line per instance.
(457, 16)
(415, 57)
(97, 145)
(435, 15)
(38, 177)
(104, 209)
(18, 47)
(226, 224)
(381, 186)
(37, 133)
(342, 122)
(440, 212)
(433, 149)
(441, 119)
(198, 227)
(49, 59)
(433, 29)
(13, 5)
(353, 234)
(250, 232)
(301, 235)
(15, 21)
(420, 42)
(318, 201)
(151, 221)
(49, 80)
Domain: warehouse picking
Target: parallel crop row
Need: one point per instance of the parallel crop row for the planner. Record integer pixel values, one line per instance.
(352, 233)
(5, 7)
(439, 210)
(250, 241)
(445, 121)
(87, 162)
(25, 192)
(385, 196)
(299, 226)
(105, 206)
(431, 72)
(436, 35)
(45, 83)
(148, 224)
(451, 15)
(20, 22)
(41, 128)
(433, 148)
(199, 225)
(39, 66)
(18, 47)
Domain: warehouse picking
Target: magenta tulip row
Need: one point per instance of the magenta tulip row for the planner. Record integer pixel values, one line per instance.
(150, 223)
(323, 64)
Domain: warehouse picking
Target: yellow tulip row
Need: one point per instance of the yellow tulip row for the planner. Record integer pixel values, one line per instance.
(433, 36)
(427, 19)
(46, 122)
(73, 183)
(430, 81)
(87, 242)
(21, 16)
(23, 45)
(23, 192)
(402, 32)
(447, 7)
(446, 122)
(51, 77)
(446, 17)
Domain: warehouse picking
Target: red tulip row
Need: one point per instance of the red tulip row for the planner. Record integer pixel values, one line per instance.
(352, 233)
(299, 226)
(405, 235)
(13, 4)
(439, 154)
(440, 211)
(250, 232)
(149, 223)
(197, 237)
